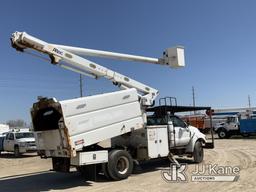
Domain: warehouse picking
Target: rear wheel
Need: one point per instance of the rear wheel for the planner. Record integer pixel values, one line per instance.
(16, 151)
(120, 164)
(198, 153)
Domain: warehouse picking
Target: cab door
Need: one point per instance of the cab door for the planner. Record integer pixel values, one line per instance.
(232, 123)
(9, 142)
(182, 134)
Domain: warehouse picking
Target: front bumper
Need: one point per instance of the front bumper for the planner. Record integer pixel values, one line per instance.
(28, 149)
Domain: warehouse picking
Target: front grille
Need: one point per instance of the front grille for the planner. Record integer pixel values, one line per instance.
(31, 143)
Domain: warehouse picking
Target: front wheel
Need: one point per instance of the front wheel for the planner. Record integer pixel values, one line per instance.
(16, 151)
(222, 133)
(198, 153)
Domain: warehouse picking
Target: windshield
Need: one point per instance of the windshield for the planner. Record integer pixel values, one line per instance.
(24, 135)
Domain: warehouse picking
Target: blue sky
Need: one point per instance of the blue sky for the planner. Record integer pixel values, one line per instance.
(218, 35)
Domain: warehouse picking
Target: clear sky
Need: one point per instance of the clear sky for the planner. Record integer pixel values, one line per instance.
(219, 37)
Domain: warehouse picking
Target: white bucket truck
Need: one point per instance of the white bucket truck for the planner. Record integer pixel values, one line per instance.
(108, 130)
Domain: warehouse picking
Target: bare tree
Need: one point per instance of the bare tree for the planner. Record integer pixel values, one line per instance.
(16, 123)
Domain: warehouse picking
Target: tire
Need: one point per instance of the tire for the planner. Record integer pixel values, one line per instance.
(120, 164)
(222, 133)
(198, 153)
(246, 135)
(16, 151)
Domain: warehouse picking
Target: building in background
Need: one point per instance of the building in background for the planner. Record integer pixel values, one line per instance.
(4, 128)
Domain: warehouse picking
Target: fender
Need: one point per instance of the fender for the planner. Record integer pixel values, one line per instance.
(196, 136)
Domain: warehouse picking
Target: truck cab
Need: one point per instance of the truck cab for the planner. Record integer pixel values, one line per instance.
(182, 138)
(175, 124)
(237, 125)
(228, 128)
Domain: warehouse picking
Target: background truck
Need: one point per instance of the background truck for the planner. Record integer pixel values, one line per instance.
(18, 142)
(203, 122)
(239, 124)
(110, 131)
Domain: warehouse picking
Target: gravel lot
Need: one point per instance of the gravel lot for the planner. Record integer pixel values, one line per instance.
(30, 173)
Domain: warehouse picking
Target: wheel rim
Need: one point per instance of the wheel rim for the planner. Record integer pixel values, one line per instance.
(200, 153)
(16, 151)
(222, 134)
(122, 165)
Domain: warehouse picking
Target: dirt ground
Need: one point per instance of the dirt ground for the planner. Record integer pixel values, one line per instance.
(30, 173)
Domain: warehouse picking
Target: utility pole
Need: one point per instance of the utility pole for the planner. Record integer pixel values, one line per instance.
(194, 100)
(81, 85)
(249, 101)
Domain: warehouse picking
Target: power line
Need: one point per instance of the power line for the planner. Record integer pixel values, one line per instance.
(249, 101)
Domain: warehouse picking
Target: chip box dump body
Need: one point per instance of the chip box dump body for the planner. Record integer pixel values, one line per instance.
(64, 127)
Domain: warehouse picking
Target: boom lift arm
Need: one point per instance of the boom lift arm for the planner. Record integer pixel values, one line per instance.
(173, 57)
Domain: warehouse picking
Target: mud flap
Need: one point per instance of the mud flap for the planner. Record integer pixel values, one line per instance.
(61, 164)
(208, 145)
